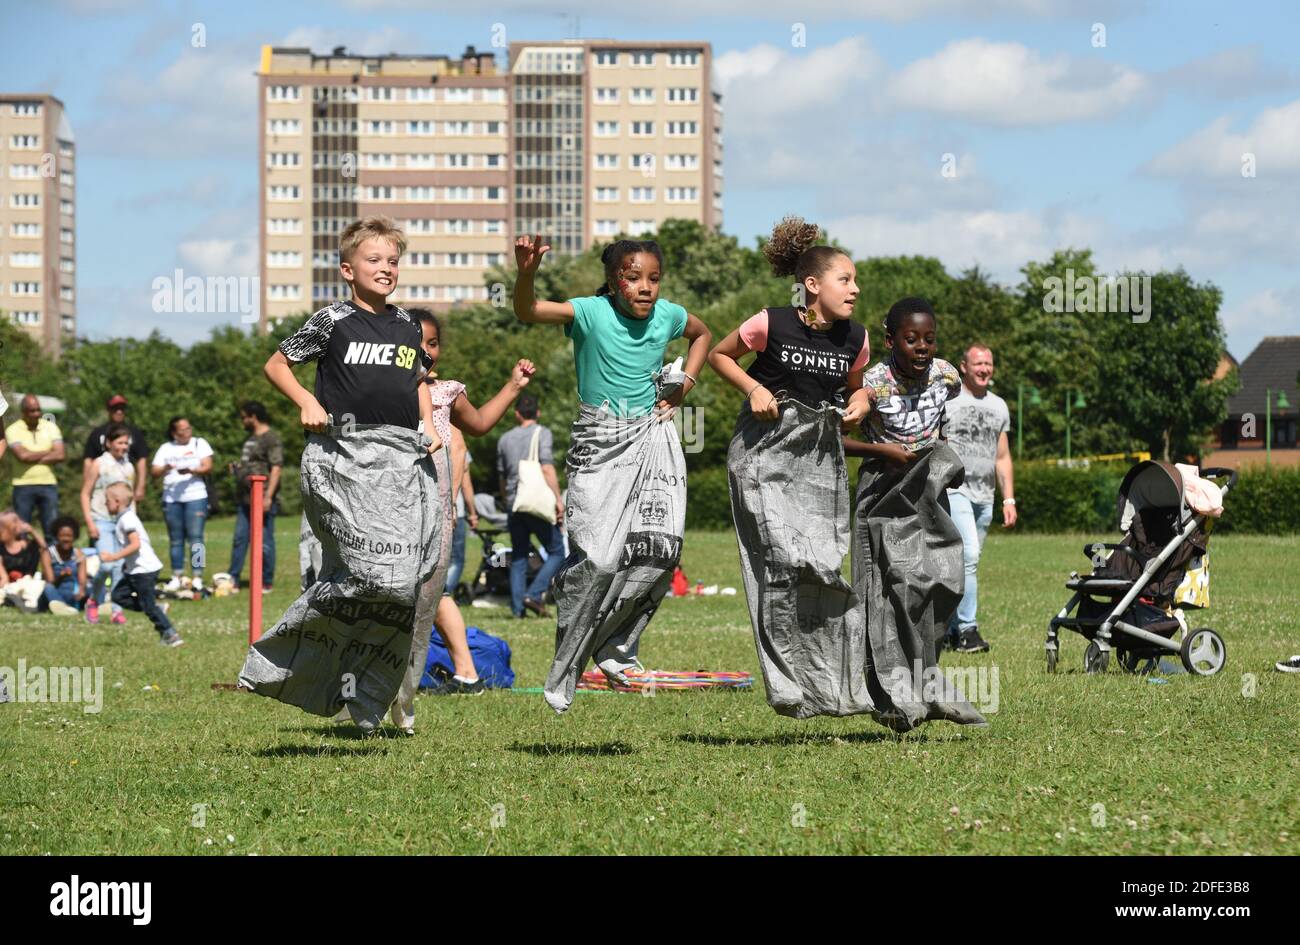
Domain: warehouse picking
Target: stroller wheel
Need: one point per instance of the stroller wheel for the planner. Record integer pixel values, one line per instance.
(1204, 652)
(1095, 659)
(1051, 659)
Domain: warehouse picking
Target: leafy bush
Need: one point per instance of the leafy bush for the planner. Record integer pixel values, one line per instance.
(1264, 501)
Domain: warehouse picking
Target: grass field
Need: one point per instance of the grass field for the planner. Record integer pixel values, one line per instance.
(1070, 764)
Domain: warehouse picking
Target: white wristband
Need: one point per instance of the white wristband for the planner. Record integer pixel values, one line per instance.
(1008, 501)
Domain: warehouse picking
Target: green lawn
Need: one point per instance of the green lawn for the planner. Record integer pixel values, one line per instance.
(1187, 765)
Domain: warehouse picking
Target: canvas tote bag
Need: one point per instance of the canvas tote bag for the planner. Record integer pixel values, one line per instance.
(533, 495)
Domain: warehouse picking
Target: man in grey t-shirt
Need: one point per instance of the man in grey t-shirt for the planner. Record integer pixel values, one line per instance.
(511, 448)
(978, 421)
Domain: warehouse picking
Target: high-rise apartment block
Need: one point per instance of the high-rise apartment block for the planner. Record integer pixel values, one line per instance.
(613, 138)
(38, 258)
(579, 140)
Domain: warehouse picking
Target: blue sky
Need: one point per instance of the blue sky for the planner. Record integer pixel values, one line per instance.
(1132, 149)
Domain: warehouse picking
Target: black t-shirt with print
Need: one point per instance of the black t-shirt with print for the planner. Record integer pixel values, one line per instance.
(367, 365)
(810, 366)
(138, 449)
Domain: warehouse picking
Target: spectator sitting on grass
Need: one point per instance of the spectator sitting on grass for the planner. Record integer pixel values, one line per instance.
(20, 550)
(64, 567)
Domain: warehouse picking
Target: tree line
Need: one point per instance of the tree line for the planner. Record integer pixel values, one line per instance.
(1147, 381)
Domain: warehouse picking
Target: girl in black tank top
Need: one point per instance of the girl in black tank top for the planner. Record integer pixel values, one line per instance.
(788, 482)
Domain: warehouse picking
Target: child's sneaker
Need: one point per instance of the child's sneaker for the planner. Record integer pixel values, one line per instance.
(60, 609)
(1289, 666)
(970, 641)
(92, 611)
(455, 686)
(171, 638)
(118, 617)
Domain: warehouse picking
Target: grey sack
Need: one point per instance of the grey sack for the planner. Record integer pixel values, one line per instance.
(370, 495)
(308, 554)
(626, 517)
(790, 501)
(908, 572)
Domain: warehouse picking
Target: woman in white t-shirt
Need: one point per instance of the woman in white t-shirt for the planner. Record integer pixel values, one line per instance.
(109, 467)
(181, 463)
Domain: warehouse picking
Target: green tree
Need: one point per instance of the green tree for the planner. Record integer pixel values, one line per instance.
(1156, 380)
(1054, 350)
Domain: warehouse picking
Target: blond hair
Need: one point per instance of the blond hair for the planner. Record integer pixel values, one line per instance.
(118, 488)
(369, 228)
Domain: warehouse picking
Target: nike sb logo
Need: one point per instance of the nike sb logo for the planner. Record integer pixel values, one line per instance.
(370, 352)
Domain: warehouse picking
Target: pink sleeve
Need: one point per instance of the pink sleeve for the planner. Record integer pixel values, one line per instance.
(753, 332)
(863, 356)
(445, 393)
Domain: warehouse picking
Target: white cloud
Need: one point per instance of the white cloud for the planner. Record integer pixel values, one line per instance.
(1008, 84)
(101, 7)
(779, 89)
(1000, 242)
(219, 257)
(1239, 72)
(1216, 151)
(321, 39)
(201, 104)
(1270, 312)
(205, 190)
(889, 10)
(812, 133)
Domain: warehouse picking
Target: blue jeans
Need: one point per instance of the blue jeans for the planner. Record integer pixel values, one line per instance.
(47, 497)
(66, 592)
(457, 565)
(522, 528)
(243, 532)
(185, 521)
(107, 542)
(972, 520)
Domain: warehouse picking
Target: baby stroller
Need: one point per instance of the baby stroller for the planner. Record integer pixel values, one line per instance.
(493, 577)
(1133, 601)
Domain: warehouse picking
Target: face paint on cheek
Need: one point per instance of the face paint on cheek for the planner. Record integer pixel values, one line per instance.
(626, 290)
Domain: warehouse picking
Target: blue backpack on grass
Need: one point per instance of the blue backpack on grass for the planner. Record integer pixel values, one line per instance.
(491, 657)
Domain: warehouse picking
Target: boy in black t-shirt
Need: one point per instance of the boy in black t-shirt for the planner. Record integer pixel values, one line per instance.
(367, 352)
(370, 496)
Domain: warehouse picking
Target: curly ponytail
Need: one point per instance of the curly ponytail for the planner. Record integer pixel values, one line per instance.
(794, 250)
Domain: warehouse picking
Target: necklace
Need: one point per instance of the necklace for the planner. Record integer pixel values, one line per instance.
(807, 317)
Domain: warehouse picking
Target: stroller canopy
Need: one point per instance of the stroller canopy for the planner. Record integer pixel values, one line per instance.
(1151, 485)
